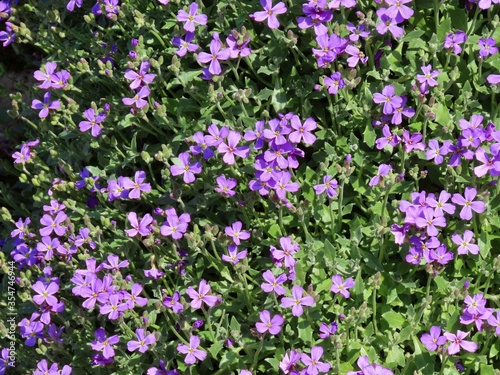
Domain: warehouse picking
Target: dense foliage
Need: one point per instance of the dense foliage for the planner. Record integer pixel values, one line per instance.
(226, 187)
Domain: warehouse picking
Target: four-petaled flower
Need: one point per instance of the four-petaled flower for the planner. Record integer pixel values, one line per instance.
(273, 325)
(202, 296)
(269, 13)
(192, 352)
(297, 301)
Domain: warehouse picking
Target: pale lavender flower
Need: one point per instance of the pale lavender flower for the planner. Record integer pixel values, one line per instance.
(314, 366)
(297, 301)
(192, 352)
(233, 255)
(187, 169)
(138, 100)
(468, 203)
(142, 343)
(273, 283)
(269, 13)
(458, 342)
(202, 296)
(191, 18)
(341, 286)
(268, 324)
(465, 243)
(216, 54)
(235, 231)
(46, 105)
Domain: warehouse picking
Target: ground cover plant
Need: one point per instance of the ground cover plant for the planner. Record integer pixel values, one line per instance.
(226, 187)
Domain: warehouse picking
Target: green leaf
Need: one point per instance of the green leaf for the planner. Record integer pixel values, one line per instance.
(443, 29)
(486, 369)
(443, 115)
(369, 135)
(278, 99)
(394, 319)
(396, 355)
(216, 348)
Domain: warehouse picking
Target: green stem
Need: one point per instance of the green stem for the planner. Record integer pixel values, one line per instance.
(374, 316)
(443, 363)
(256, 355)
(280, 221)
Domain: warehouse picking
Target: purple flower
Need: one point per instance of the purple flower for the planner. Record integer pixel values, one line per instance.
(273, 283)
(104, 343)
(139, 225)
(383, 170)
(192, 352)
(341, 286)
(387, 139)
(113, 263)
(142, 341)
(435, 152)
(281, 184)
(475, 304)
(314, 366)
(256, 135)
(398, 11)
(46, 76)
(93, 122)
(201, 146)
(113, 307)
(162, 370)
(231, 148)
(465, 243)
(53, 224)
(327, 330)
(137, 186)
(237, 47)
(202, 296)
(141, 78)
(388, 98)
(185, 44)
(45, 293)
(138, 99)
(388, 24)
(22, 156)
(434, 339)
(46, 105)
(234, 256)
(459, 342)
(215, 55)
(225, 186)
(288, 249)
(427, 220)
(185, 168)
(273, 325)
(191, 18)
(468, 203)
(356, 56)
(289, 362)
(173, 303)
(297, 301)
(487, 47)
(440, 206)
(441, 255)
(269, 13)
(453, 41)
(215, 136)
(302, 131)
(334, 83)
(315, 16)
(8, 36)
(494, 321)
(175, 226)
(428, 78)
(330, 185)
(236, 233)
